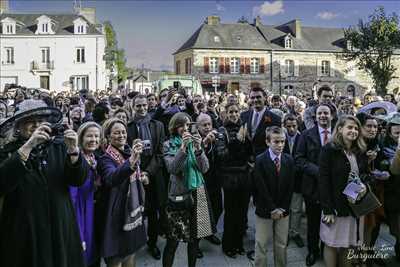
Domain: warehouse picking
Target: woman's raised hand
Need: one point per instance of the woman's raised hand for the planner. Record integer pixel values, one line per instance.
(186, 139)
(137, 149)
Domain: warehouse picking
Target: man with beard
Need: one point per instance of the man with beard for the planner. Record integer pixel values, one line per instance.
(307, 157)
(151, 133)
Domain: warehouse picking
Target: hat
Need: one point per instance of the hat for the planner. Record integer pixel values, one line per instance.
(28, 109)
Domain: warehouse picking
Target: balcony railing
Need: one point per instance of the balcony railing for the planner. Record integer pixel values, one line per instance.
(42, 66)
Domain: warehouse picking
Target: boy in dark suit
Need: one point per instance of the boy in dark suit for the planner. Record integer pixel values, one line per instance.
(274, 184)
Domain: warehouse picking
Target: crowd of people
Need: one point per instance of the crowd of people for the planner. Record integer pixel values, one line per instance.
(91, 176)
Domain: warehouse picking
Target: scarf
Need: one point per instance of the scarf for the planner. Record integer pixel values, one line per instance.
(143, 125)
(135, 196)
(192, 173)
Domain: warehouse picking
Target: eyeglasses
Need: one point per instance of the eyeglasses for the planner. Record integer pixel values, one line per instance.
(233, 111)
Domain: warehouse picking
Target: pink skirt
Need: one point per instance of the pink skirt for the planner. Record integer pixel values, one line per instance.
(343, 232)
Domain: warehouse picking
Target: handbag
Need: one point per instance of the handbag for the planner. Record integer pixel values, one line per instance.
(180, 202)
(366, 204)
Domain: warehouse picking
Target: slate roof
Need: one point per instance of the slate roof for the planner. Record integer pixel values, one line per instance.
(64, 23)
(312, 38)
(264, 37)
(231, 36)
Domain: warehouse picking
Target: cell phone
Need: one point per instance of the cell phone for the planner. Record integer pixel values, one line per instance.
(193, 128)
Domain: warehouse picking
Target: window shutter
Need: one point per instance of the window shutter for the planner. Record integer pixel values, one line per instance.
(247, 65)
(296, 68)
(241, 65)
(221, 65)
(262, 66)
(318, 68)
(227, 65)
(332, 68)
(206, 65)
(282, 67)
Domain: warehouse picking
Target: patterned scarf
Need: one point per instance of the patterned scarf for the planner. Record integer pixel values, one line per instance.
(192, 173)
(135, 195)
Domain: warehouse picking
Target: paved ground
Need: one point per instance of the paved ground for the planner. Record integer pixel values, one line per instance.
(213, 256)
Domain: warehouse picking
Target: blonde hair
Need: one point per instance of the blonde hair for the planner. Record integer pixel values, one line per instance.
(358, 146)
(82, 130)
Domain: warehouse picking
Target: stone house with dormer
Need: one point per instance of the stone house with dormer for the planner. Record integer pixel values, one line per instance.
(52, 51)
(285, 58)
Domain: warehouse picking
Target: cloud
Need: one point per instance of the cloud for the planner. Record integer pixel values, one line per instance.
(220, 7)
(327, 15)
(269, 8)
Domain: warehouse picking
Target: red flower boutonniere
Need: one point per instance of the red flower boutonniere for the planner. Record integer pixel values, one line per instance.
(267, 119)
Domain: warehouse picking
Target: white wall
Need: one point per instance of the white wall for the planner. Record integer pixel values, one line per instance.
(62, 52)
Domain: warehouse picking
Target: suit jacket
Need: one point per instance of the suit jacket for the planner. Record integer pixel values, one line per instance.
(154, 165)
(306, 156)
(273, 191)
(298, 174)
(268, 119)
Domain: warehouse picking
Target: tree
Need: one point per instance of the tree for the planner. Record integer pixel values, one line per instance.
(372, 44)
(113, 55)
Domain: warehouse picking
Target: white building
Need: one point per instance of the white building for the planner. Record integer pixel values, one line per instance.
(56, 52)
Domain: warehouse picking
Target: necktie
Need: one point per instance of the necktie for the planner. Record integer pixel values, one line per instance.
(255, 124)
(277, 165)
(291, 143)
(325, 132)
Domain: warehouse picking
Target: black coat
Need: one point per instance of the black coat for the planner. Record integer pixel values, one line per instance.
(233, 170)
(37, 225)
(268, 119)
(334, 169)
(307, 157)
(273, 191)
(153, 165)
(298, 174)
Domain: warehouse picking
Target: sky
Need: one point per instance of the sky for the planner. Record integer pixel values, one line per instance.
(151, 31)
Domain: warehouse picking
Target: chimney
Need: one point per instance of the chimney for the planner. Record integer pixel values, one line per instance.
(88, 13)
(213, 20)
(257, 21)
(296, 28)
(4, 6)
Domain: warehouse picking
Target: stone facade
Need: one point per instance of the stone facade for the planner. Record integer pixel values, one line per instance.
(306, 75)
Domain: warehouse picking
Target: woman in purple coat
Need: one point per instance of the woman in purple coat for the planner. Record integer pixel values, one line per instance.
(83, 197)
(122, 196)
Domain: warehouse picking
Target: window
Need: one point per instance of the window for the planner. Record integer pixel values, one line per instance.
(325, 68)
(214, 65)
(80, 55)
(288, 42)
(45, 27)
(9, 29)
(216, 39)
(80, 29)
(289, 67)
(254, 65)
(9, 52)
(235, 65)
(80, 82)
(188, 65)
(45, 54)
(178, 67)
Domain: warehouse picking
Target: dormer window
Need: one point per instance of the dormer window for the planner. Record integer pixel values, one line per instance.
(45, 28)
(9, 26)
(349, 46)
(80, 26)
(288, 41)
(44, 25)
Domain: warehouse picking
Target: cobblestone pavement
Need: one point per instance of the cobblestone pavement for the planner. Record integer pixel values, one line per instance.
(213, 256)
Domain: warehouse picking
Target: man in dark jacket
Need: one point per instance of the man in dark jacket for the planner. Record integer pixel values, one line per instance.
(292, 137)
(258, 119)
(151, 132)
(307, 156)
(274, 179)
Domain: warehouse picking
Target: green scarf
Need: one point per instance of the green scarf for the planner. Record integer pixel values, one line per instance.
(192, 174)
